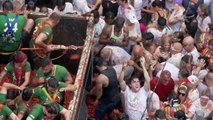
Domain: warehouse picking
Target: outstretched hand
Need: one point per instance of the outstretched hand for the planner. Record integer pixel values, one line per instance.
(73, 47)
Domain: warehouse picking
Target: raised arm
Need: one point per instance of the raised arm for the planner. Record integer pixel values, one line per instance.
(146, 75)
(121, 81)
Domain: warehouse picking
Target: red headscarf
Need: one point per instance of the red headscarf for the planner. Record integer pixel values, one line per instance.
(21, 58)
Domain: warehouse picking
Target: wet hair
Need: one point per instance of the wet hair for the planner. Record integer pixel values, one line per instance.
(119, 22)
(109, 15)
(52, 108)
(27, 93)
(179, 35)
(45, 62)
(60, 2)
(180, 115)
(132, 78)
(187, 58)
(147, 36)
(161, 22)
(189, 15)
(55, 16)
(96, 14)
(157, 3)
(160, 114)
(29, 4)
(8, 5)
(98, 61)
(184, 72)
(53, 82)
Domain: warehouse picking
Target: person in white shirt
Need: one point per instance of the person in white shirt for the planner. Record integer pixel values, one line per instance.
(137, 4)
(203, 20)
(99, 24)
(114, 55)
(159, 29)
(176, 18)
(124, 8)
(135, 96)
(63, 7)
(192, 82)
(176, 54)
(202, 107)
(189, 48)
(81, 6)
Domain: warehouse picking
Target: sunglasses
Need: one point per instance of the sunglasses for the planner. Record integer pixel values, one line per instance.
(183, 94)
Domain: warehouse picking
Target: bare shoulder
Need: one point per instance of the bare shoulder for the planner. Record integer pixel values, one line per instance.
(102, 79)
(108, 28)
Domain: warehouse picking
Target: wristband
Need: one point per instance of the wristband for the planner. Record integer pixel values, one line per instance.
(114, 38)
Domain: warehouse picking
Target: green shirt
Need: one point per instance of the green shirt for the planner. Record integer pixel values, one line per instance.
(9, 69)
(5, 112)
(14, 43)
(40, 93)
(46, 29)
(59, 72)
(2, 98)
(37, 112)
(22, 106)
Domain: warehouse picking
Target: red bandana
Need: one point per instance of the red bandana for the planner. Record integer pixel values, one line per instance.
(21, 58)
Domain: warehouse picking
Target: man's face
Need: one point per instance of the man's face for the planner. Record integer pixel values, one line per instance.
(117, 29)
(51, 90)
(47, 69)
(188, 46)
(135, 85)
(96, 20)
(165, 79)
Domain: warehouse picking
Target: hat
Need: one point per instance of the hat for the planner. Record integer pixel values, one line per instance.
(192, 79)
(131, 17)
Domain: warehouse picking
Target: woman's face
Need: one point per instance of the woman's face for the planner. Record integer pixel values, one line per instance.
(181, 94)
(166, 46)
(199, 11)
(204, 100)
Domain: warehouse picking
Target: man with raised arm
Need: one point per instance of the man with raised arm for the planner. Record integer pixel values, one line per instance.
(135, 96)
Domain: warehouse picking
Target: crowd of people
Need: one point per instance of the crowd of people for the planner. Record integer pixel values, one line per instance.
(152, 59)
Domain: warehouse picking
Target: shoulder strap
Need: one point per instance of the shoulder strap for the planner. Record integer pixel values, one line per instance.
(8, 22)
